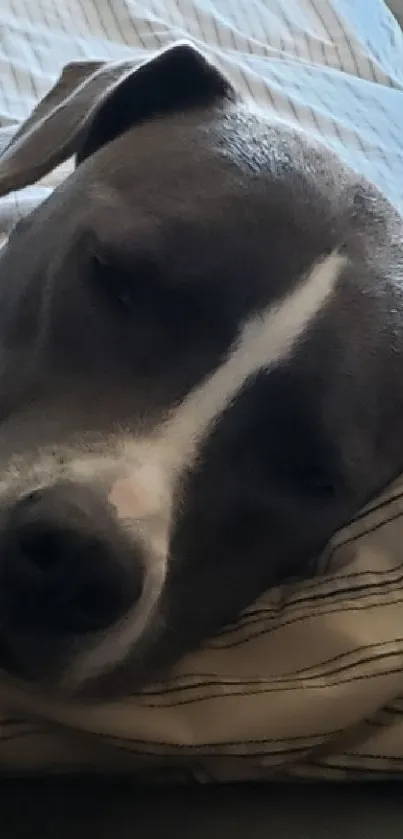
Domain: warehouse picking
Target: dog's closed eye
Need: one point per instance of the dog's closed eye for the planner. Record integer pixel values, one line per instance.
(140, 290)
(126, 288)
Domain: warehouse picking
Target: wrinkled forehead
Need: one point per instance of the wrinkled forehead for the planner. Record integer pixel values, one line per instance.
(174, 187)
(208, 190)
(137, 196)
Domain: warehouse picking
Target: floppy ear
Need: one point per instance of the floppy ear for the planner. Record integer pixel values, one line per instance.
(93, 102)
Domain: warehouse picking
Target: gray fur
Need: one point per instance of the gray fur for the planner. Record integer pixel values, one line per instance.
(189, 216)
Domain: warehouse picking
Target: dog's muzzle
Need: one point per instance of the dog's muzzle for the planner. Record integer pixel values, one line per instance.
(67, 566)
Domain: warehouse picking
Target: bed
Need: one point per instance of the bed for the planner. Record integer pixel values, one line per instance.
(309, 684)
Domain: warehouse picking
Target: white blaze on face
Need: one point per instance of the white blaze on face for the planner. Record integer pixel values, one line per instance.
(265, 341)
(142, 494)
(156, 465)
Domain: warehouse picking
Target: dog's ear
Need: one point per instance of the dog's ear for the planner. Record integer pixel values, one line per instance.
(94, 102)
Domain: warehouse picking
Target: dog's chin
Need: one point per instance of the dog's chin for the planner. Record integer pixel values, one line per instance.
(19, 692)
(39, 666)
(46, 677)
(101, 667)
(38, 673)
(92, 668)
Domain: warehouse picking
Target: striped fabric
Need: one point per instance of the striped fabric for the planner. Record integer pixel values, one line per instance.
(334, 67)
(309, 682)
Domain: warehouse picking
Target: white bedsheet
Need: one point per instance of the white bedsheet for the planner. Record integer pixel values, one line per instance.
(335, 67)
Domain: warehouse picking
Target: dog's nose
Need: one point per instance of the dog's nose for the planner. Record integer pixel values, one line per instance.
(65, 565)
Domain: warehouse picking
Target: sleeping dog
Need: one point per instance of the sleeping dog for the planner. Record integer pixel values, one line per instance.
(201, 369)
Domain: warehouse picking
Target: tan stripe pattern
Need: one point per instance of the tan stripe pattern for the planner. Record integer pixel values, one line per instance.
(307, 684)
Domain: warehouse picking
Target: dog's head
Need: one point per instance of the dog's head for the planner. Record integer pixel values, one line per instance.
(186, 413)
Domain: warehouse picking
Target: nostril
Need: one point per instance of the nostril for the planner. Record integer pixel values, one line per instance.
(30, 498)
(40, 547)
